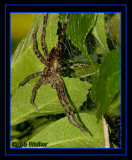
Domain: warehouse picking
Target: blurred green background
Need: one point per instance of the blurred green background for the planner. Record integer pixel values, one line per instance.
(20, 25)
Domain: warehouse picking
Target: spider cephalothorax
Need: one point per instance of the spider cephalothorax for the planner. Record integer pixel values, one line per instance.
(52, 71)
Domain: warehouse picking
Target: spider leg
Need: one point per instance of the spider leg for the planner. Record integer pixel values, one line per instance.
(62, 96)
(78, 66)
(72, 114)
(35, 47)
(43, 44)
(38, 84)
(30, 77)
(63, 29)
(63, 105)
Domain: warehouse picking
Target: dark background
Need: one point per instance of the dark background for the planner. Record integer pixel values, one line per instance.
(41, 8)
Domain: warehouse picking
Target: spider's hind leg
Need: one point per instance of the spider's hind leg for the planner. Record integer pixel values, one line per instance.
(63, 98)
(72, 114)
(67, 113)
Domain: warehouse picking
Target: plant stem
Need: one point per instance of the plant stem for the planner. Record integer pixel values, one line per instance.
(106, 133)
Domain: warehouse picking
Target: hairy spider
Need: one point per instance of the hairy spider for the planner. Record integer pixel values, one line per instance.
(52, 71)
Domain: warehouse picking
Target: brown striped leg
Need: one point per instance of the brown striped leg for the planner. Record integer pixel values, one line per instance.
(43, 44)
(35, 47)
(67, 113)
(64, 29)
(78, 66)
(38, 84)
(63, 97)
(72, 114)
(30, 77)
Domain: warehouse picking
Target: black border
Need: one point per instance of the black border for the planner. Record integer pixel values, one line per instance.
(79, 8)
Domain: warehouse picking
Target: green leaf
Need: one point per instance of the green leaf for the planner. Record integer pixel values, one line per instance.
(114, 108)
(107, 83)
(46, 99)
(78, 27)
(62, 134)
(113, 27)
(114, 146)
(24, 62)
(100, 35)
(14, 133)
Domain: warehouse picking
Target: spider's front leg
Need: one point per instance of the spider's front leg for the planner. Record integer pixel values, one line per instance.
(43, 43)
(35, 46)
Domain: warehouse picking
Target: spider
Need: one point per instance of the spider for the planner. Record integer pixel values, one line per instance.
(52, 71)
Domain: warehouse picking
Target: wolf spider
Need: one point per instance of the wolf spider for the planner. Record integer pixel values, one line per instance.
(52, 71)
